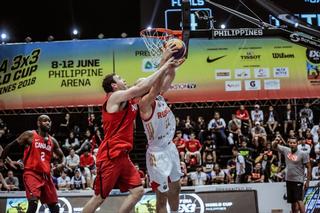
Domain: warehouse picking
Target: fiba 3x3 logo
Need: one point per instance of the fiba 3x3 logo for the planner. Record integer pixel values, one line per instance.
(190, 203)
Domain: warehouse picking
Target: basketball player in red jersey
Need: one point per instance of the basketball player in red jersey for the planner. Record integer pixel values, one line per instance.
(38, 151)
(114, 166)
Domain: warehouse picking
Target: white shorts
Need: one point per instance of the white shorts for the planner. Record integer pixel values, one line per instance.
(163, 166)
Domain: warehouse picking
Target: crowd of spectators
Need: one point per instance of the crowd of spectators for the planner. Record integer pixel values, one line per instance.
(247, 135)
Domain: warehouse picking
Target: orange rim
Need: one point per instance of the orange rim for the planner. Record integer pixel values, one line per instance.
(161, 33)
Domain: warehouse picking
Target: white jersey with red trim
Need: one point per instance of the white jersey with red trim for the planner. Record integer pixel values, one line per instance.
(160, 127)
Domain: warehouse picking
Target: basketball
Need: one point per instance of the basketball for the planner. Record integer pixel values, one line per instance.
(180, 45)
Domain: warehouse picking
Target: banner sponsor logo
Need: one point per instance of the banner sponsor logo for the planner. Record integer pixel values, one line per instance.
(313, 71)
(281, 72)
(273, 84)
(252, 84)
(222, 74)
(241, 32)
(250, 55)
(210, 60)
(261, 73)
(232, 86)
(190, 203)
(297, 38)
(183, 86)
(282, 55)
(144, 53)
(242, 73)
(148, 66)
(313, 56)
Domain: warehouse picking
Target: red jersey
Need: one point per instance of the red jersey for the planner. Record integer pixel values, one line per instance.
(86, 160)
(37, 155)
(179, 142)
(117, 138)
(193, 145)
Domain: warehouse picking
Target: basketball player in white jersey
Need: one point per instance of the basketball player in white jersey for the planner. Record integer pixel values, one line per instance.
(162, 156)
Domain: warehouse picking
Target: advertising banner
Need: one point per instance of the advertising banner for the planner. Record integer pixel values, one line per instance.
(70, 73)
(190, 202)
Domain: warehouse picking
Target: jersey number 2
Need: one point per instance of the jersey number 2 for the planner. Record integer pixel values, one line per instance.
(42, 157)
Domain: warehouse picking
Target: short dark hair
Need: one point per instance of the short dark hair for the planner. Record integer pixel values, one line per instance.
(107, 81)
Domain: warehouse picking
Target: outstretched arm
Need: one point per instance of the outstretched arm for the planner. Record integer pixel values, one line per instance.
(170, 75)
(145, 104)
(139, 89)
(24, 139)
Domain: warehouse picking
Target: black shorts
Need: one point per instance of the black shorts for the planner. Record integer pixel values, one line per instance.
(294, 191)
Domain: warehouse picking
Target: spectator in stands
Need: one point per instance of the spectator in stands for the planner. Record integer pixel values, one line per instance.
(231, 169)
(209, 148)
(64, 128)
(3, 184)
(179, 124)
(243, 115)
(240, 166)
(307, 113)
(193, 148)
(289, 119)
(86, 173)
(198, 177)
(92, 122)
(188, 127)
(217, 128)
(316, 171)
(12, 181)
(200, 128)
(72, 142)
(256, 175)
(86, 143)
(96, 140)
(208, 165)
(78, 181)
(272, 120)
(87, 160)
(180, 144)
(234, 127)
(72, 161)
(304, 123)
(257, 114)
(247, 153)
(309, 138)
(184, 179)
(218, 175)
(303, 147)
(317, 150)
(259, 135)
(315, 132)
(63, 181)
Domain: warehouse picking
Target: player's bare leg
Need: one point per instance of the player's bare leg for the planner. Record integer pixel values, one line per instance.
(301, 206)
(173, 195)
(93, 204)
(134, 197)
(161, 203)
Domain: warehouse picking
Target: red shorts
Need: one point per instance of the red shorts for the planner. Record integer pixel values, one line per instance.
(120, 172)
(40, 186)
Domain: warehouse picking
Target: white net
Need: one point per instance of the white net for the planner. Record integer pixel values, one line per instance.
(154, 40)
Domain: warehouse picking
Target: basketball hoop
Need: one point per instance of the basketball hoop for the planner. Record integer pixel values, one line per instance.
(155, 38)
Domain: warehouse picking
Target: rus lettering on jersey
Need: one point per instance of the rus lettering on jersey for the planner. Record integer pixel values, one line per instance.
(164, 113)
(43, 146)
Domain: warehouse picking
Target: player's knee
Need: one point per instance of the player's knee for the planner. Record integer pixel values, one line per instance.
(54, 208)
(32, 205)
